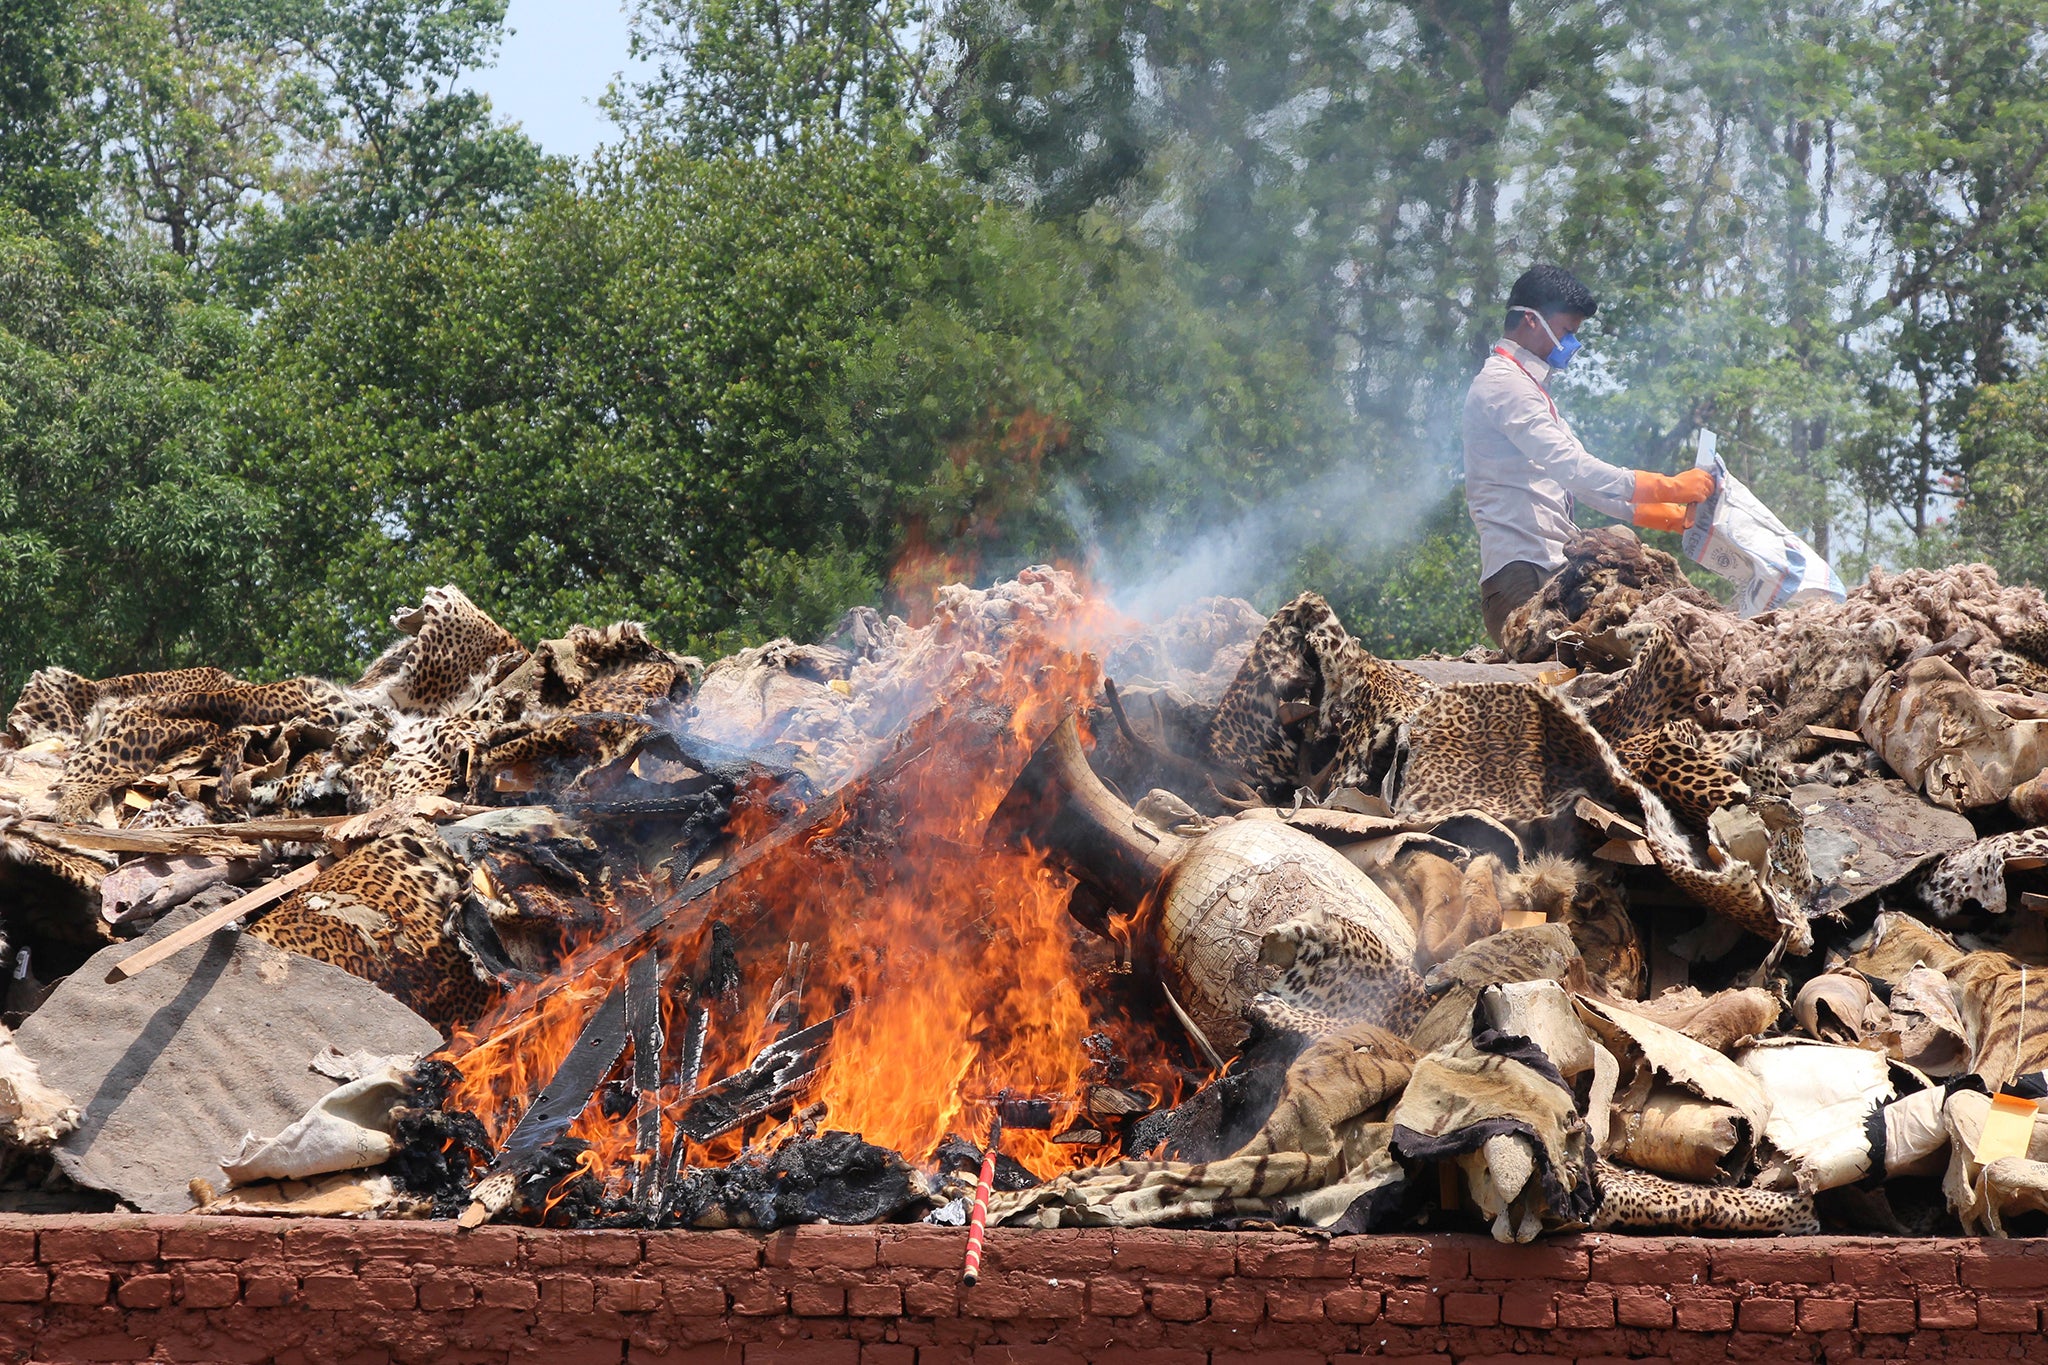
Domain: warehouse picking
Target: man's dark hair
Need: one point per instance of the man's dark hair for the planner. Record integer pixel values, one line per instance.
(1550, 289)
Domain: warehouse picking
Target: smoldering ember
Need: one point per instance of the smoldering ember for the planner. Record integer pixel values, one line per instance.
(1663, 919)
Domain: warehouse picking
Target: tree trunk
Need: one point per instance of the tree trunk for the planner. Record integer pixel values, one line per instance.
(1496, 46)
(1924, 444)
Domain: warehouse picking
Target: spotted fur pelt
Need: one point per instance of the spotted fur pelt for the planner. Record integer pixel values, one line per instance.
(1782, 671)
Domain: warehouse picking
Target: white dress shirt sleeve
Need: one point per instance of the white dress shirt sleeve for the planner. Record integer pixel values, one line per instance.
(1527, 420)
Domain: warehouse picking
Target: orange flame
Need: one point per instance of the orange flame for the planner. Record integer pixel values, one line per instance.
(586, 1164)
(959, 970)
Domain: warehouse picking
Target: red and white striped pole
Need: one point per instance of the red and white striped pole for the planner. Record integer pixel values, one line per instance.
(977, 1226)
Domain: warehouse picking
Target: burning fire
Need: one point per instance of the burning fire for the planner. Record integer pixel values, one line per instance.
(951, 968)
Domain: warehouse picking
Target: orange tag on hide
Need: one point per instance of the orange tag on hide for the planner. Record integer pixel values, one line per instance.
(1522, 919)
(2008, 1128)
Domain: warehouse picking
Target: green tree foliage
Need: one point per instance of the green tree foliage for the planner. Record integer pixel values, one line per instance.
(1729, 284)
(719, 395)
(1369, 203)
(126, 541)
(1202, 129)
(1815, 228)
(2004, 518)
(46, 151)
(766, 75)
(1189, 292)
(1413, 592)
(699, 390)
(258, 131)
(1956, 148)
(196, 118)
(382, 138)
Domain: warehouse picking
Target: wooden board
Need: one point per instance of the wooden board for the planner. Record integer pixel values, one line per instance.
(206, 924)
(240, 840)
(1833, 735)
(1606, 821)
(1627, 852)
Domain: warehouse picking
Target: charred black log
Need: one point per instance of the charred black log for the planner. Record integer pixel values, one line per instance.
(441, 1151)
(560, 1103)
(717, 987)
(832, 1178)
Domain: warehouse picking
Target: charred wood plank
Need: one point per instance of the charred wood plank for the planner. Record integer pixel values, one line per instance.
(717, 980)
(643, 1023)
(693, 1048)
(696, 1030)
(562, 1101)
(1031, 1112)
(649, 808)
(776, 1078)
(1107, 1101)
(786, 996)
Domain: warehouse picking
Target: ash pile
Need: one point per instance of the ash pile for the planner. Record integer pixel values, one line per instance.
(1659, 919)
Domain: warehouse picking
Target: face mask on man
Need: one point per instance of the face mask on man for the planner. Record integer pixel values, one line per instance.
(1563, 349)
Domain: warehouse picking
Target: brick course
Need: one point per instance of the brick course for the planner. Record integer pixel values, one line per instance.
(245, 1290)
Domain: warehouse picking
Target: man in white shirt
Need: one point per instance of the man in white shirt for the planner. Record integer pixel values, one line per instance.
(1523, 465)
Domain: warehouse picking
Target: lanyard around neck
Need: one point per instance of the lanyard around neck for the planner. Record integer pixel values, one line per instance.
(1516, 361)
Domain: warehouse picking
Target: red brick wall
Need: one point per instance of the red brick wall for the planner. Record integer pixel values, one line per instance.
(206, 1289)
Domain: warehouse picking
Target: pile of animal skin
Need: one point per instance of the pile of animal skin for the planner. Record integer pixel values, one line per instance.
(1658, 919)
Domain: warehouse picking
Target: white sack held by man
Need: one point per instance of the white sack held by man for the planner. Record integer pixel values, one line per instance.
(1742, 540)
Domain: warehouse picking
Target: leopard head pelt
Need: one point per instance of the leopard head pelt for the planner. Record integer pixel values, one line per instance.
(1306, 676)
(451, 652)
(1696, 771)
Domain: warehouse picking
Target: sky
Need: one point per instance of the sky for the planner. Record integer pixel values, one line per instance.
(551, 71)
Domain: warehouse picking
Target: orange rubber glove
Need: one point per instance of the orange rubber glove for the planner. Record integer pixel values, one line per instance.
(1694, 485)
(1664, 516)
